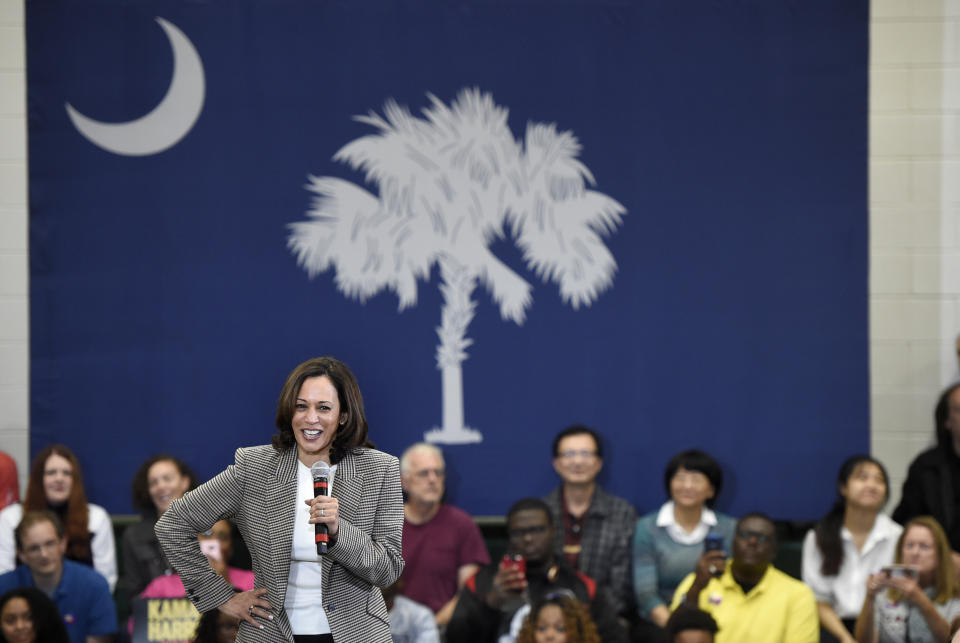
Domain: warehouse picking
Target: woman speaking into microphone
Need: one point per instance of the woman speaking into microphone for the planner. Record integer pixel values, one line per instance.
(301, 595)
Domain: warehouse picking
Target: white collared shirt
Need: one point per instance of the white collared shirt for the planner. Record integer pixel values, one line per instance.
(665, 518)
(304, 601)
(845, 591)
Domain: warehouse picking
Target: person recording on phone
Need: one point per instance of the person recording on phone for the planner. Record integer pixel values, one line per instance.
(917, 598)
(668, 542)
(301, 595)
(494, 602)
(749, 598)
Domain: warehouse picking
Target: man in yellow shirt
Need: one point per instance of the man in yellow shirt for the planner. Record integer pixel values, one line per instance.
(751, 600)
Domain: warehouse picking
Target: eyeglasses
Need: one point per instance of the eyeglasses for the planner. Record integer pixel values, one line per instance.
(520, 532)
(761, 538)
(580, 453)
(423, 474)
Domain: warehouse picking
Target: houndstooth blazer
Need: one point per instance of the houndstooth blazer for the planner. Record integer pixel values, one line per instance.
(259, 493)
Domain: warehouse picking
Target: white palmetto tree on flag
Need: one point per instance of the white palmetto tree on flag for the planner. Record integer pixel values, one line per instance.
(449, 184)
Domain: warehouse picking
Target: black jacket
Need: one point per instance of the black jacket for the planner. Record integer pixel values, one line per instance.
(928, 490)
(473, 621)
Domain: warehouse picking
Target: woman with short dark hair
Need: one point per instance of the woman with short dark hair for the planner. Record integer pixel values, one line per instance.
(668, 543)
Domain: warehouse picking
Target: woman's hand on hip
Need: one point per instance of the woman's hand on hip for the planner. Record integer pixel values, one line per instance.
(325, 510)
(249, 606)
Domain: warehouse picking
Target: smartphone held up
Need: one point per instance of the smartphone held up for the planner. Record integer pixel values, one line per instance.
(515, 561)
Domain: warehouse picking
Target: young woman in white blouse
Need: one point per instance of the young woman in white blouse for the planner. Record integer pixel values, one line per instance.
(851, 542)
(56, 483)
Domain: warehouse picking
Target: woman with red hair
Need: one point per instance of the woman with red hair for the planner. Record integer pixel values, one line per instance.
(56, 483)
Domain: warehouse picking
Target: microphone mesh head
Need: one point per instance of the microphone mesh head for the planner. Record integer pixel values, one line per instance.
(320, 469)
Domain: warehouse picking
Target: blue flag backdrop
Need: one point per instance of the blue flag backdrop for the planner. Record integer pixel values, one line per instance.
(645, 216)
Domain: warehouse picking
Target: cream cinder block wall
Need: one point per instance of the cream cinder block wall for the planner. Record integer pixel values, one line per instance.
(914, 222)
(14, 348)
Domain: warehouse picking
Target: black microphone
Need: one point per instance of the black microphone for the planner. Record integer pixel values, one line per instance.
(321, 473)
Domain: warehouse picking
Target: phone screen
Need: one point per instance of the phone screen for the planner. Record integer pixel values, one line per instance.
(517, 561)
(713, 542)
(902, 571)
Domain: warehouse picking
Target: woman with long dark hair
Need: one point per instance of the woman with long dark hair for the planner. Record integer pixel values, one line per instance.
(27, 615)
(56, 484)
(922, 596)
(159, 481)
(852, 541)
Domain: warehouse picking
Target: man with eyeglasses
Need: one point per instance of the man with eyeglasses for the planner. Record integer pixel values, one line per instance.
(442, 545)
(494, 602)
(749, 598)
(594, 529)
(81, 594)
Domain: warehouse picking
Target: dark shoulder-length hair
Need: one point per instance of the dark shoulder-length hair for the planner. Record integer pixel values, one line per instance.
(940, 416)
(695, 460)
(47, 623)
(351, 433)
(827, 530)
(75, 513)
(141, 485)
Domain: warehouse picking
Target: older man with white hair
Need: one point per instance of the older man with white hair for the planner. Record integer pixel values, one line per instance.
(442, 546)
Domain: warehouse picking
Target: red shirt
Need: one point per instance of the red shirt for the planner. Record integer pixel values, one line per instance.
(435, 550)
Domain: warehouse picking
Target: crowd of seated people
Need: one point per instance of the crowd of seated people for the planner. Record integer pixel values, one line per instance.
(580, 564)
(56, 484)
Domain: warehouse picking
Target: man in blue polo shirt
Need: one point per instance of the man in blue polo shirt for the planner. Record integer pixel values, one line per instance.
(81, 594)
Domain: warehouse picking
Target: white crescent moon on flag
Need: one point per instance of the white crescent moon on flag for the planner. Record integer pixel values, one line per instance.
(169, 121)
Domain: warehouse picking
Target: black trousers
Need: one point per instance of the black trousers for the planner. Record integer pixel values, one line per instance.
(827, 637)
(313, 638)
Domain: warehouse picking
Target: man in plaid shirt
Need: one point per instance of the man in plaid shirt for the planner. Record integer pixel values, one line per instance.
(594, 529)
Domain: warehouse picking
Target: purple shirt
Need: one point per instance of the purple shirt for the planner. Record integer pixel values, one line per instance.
(435, 550)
